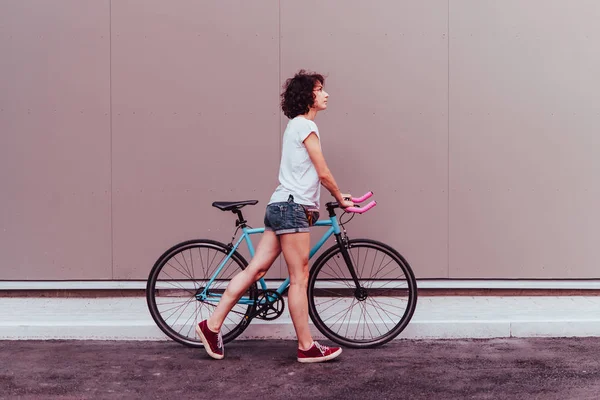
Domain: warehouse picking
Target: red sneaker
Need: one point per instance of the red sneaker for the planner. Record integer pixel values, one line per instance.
(213, 342)
(318, 353)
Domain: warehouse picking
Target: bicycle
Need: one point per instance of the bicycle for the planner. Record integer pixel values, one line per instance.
(349, 277)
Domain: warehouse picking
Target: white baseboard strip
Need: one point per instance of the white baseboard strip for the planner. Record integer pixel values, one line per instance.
(575, 284)
(436, 317)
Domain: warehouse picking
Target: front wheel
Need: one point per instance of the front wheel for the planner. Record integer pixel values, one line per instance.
(372, 314)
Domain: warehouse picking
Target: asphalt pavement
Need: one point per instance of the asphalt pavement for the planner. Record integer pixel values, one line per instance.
(267, 369)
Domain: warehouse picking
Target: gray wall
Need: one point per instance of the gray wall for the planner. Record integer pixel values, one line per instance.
(475, 123)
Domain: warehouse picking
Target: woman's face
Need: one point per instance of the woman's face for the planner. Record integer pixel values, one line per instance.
(321, 97)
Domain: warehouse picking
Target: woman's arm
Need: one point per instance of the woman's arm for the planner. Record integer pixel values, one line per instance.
(325, 176)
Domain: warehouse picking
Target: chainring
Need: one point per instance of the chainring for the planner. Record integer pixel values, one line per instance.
(269, 305)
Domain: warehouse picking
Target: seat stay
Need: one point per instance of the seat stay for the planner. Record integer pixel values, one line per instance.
(218, 270)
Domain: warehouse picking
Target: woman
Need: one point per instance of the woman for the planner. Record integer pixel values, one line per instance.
(293, 207)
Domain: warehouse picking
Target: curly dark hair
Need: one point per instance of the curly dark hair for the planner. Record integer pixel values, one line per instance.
(298, 94)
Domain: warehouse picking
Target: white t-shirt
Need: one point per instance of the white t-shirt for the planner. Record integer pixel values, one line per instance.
(297, 174)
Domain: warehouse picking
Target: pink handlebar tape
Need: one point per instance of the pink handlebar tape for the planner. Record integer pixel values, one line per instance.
(361, 210)
(363, 198)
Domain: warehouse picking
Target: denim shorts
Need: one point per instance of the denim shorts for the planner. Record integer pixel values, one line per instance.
(289, 217)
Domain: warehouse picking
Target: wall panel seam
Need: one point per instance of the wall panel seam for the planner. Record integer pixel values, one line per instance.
(448, 141)
(110, 111)
(279, 119)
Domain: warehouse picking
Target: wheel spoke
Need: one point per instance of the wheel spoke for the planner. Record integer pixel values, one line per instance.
(348, 314)
(173, 308)
(187, 268)
(170, 282)
(178, 270)
(185, 304)
(192, 263)
(332, 305)
(338, 313)
(375, 304)
(374, 325)
(342, 277)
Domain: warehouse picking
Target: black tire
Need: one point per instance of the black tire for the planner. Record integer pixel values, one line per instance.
(391, 294)
(177, 277)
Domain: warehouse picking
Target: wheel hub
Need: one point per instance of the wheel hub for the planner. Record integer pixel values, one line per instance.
(361, 294)
(199, 294)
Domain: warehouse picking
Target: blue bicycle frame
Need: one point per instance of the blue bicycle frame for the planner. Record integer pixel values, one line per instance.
(334, 228)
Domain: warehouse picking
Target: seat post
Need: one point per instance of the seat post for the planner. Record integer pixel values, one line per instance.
(240, 221)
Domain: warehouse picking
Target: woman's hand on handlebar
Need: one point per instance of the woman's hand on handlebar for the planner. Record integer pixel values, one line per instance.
(346, 201)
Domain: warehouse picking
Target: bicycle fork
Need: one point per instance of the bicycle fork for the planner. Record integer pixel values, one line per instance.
(360, 292)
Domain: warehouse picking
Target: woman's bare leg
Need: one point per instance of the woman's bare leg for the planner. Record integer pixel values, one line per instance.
(266, 252)
(296, 248)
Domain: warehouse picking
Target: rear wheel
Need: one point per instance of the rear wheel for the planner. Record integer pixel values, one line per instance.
(366, 317)
(180, 276)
